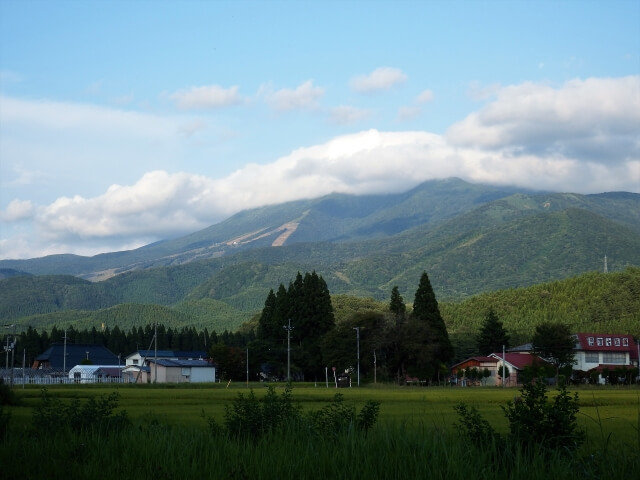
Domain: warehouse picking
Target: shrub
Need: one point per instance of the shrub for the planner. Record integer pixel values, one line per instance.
(250, 417)
(337, 417)
(51, 414)
(535, 423)
(535, 420)
(472, 426)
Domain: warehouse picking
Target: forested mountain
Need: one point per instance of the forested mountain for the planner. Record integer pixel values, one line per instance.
(335, 217)
(469, 238)
(592, 302)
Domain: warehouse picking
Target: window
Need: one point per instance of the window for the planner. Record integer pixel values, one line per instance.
(616, 341)
(590, 341)
(600, 341)
(617, 358)
(607, 341)
(591, 357)
(625, 342)
(135, 361)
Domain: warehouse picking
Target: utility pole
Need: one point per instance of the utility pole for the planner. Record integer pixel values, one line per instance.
(357, 329)
(288, 329)
(155, 362)
(375, 367)
(606, 270)
(11, 347)
(503, 367)
(64, 356)
(247, 367)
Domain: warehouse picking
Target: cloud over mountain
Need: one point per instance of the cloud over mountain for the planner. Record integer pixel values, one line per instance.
(580, 137)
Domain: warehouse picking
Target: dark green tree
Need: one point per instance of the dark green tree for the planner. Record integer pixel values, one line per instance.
(554, 343)
(269, 328)
(432, 347)
(396, 305)
(492, 336)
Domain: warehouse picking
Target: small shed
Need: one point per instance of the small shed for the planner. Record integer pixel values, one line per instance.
(181, 371)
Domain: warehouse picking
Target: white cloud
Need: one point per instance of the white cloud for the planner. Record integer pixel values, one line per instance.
(17, 210)
(206, 97)
(382, 78)
(425, 96)
(303, 97)
(347, 115)
(597, 119)
(530, 135)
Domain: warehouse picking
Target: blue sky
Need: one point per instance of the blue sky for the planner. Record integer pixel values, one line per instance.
(125, 122)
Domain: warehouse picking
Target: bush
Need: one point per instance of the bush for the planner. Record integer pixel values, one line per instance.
(51, 415)
(473, 426)
(533, 420)
(250, 417)
(535, 424)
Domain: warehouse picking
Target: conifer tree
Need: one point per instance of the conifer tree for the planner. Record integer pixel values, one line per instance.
(396, 305)
(267, 318)
(492, 334)
(428, 340)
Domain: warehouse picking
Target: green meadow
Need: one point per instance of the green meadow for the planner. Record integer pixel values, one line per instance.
(415, 437)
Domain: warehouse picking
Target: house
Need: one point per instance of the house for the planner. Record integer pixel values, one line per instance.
(597, 353)
(180, 371)
(61, 356)
(479, 363)
(516, 363)
(137, 358)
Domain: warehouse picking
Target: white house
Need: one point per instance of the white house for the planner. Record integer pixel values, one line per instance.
(596, 352)
(137, 358)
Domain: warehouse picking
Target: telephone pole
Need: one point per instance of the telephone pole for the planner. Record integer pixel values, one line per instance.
(288, 328)
(357, 329)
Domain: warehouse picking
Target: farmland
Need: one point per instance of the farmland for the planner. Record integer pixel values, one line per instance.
(414, 437)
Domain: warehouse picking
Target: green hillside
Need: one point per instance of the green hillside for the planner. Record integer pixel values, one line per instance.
(592, 302)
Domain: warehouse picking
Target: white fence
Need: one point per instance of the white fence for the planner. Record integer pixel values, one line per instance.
(52, 377)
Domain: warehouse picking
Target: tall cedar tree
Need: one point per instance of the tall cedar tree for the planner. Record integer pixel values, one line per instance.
(267, 321)
(307, 303)
(555, 343)
(430, 330)
(396, 305)
(492, 336)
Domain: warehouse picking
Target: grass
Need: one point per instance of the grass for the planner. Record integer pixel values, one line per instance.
(609, 412)
(414, 438)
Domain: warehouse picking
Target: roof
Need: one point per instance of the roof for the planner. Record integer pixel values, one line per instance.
(519, 360)
(76, 353)
(479, 359)
(606, 342)
(167, 362)
(170, 354)
(91, 369)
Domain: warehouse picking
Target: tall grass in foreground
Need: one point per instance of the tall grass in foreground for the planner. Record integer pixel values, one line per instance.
(389, 451)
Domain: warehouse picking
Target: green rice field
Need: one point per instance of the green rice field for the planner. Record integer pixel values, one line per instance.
(414, 437)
